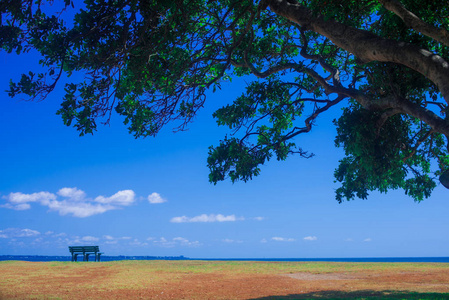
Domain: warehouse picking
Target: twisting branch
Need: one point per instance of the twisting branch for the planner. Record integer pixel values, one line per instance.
(335, 73)
(309, 121)
(412, 20)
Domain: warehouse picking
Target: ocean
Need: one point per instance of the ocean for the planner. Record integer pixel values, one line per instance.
(36, 258)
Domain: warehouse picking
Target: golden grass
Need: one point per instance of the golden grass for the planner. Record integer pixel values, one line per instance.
(222, 280)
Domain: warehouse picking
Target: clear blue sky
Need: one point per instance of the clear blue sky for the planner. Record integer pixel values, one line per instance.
(152, 196)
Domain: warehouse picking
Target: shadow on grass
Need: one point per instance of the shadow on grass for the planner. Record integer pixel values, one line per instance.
(365, 294)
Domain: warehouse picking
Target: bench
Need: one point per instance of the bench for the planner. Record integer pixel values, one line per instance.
(85, 251)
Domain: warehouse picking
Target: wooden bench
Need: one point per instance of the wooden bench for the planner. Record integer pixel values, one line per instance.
(85, 251)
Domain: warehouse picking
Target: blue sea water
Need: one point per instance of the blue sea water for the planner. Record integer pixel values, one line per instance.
(121, 257)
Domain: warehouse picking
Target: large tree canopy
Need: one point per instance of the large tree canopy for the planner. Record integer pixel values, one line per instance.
(152, 61)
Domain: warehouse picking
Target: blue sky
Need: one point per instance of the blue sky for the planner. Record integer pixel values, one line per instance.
(152, 196)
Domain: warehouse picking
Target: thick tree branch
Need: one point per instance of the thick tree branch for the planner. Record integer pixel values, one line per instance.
(368, 46)
(396, 104)
(439, 34)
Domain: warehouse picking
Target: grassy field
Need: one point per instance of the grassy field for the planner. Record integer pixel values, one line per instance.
(222, 280)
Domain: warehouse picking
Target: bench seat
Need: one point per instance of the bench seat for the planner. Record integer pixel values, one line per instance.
(85, 251)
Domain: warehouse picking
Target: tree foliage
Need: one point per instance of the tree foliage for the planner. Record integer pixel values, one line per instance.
(153, 61)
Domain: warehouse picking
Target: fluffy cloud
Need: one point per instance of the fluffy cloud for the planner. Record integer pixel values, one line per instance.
(206, 219)
(310, 238)
(281, 239)
(74, 202)
(155, 198)
(73, 194)
(367, 240)
(79, 209)
(123, 198)
(20, 201)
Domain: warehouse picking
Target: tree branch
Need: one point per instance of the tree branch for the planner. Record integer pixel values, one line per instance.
(410, 19)
(368, 46)
(398, 105)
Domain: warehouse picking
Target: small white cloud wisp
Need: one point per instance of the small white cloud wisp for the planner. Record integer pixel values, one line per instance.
(282, 239)
(206, 219)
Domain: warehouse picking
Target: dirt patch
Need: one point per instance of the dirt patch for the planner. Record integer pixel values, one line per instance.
(325, 276)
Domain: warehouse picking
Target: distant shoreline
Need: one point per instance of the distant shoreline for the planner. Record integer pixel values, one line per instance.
(37, 258)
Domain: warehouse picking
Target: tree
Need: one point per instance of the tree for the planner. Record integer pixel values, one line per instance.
(152, 62)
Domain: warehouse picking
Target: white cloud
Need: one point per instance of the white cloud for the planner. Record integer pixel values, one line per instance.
(206, 219)
(73, 193)
(367, 240)
(263, 241)
(124, 198)
(28, 233)
(16, 233)
(281, 239)
(310, 238)
(20, 201)
(23, 206)
(75, 203)
(259, 218)
(156, 198)
(79, 209)
(349, 240)
(17, 198)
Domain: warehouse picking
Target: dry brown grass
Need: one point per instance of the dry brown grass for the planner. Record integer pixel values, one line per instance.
(222, 280)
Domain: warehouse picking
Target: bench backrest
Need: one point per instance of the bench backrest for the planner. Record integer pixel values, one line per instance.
(84, 249)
